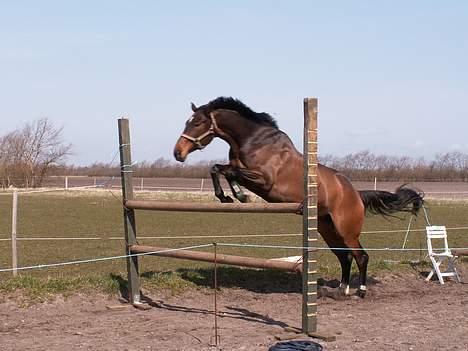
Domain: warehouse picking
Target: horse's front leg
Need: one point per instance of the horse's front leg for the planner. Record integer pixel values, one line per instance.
(229, 172)
(233, 180)
(215, 171)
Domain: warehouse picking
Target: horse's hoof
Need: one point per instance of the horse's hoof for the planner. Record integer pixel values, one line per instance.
(361, 293)
(343, 290)
(242, 198)
(227, 199)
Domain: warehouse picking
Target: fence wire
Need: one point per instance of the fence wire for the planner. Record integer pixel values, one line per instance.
(237, 245)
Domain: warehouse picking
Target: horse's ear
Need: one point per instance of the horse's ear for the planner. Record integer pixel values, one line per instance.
(194, 108)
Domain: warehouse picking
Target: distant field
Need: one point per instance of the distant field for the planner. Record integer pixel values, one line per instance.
(433, 190)
(99, 215)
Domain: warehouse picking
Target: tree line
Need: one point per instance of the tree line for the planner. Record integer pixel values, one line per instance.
(362, 166)
(365, 165)
(37, 150)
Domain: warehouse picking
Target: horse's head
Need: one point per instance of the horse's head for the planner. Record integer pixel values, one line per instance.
(198, 132)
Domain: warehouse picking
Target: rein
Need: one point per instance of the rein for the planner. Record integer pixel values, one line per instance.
(197, 140)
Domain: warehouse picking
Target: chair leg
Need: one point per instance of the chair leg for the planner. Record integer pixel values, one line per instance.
(429, 276)
(436, 264)
(439, 275)
(453, 268)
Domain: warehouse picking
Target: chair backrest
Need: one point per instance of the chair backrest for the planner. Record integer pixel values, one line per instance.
(437, 232)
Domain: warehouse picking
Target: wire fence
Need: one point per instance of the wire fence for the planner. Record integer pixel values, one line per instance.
(100, 259)
(33, 237)
(236, 245)
(107, 183)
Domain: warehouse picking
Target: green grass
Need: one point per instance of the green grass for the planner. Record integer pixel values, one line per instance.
(100, 215)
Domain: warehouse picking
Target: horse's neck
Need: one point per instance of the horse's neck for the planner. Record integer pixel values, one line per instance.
(234, 127)
(235, 130)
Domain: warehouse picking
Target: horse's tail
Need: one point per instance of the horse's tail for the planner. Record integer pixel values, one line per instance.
(386, 203)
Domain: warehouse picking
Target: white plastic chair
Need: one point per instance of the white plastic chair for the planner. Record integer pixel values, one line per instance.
(440, 255)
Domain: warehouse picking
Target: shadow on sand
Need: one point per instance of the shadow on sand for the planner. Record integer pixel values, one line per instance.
(254, 280)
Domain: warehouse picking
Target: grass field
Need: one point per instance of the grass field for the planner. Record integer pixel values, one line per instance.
(99, 215)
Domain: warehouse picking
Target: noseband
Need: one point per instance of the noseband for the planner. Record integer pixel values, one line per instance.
(197, 140)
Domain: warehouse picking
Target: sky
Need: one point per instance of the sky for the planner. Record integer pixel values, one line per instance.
(391, 76)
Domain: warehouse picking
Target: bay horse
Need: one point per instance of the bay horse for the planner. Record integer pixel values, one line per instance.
(263, 159)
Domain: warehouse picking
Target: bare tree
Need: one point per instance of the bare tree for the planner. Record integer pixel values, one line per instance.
(27, 154)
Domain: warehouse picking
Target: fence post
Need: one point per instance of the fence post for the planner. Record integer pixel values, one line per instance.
(375, 183)
(141, 184)
(201, 184)
(126, 170)
(66, 182)
(309, 270)
(14, 225)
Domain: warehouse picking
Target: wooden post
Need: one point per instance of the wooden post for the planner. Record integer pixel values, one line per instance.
(14, 224)
(128, 214)
(309, 269)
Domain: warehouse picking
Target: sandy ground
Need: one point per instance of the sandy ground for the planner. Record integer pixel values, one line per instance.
(401, 312)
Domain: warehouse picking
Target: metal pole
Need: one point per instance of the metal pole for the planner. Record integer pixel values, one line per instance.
(216, 293)
(375, 183)
(14, 225)
(309, 269)
(66, 183)
(128, 214)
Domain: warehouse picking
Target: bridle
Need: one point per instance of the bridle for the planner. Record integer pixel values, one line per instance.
(197, 140)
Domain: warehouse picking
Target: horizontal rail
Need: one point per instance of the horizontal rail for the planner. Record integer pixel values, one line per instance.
(243, 261)
(460, 252)
(213, 207)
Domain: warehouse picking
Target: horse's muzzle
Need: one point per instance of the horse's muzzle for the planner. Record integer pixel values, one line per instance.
(182, 148)
(178, 156)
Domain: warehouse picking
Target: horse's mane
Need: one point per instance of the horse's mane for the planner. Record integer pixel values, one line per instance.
(229, 103)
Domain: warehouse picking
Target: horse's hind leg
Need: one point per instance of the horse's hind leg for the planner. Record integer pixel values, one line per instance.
(348, 223)
(333, 239)
(362, 258)
(346, 260)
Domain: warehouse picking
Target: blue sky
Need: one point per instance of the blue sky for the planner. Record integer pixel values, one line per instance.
(391, 76)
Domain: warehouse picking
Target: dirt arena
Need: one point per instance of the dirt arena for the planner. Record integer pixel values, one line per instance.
(401, 312)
